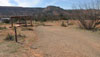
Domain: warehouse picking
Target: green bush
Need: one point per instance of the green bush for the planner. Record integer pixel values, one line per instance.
(6, 21)
(9, 37)
(2, 28)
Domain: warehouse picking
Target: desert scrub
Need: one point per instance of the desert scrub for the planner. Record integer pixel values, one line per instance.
(9, 37)
(70, 24)
(2, 28)
(63, 24)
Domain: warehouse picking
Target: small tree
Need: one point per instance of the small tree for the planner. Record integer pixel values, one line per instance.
(88, 15)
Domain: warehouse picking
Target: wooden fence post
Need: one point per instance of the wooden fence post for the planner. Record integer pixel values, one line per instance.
(11, 20)
(31, 21)
(15, 34)
(25, 22)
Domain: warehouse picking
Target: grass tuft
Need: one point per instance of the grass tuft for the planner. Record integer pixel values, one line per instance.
(9, 37)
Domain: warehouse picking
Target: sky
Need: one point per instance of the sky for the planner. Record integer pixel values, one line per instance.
(66, 4)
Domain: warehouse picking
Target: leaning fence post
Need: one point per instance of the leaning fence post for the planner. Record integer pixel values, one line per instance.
(15, 34)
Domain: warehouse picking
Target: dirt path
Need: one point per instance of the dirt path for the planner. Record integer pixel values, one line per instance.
(67, 42)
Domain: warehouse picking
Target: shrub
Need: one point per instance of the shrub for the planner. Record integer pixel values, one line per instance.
(70, 24)
(89, 24)
(6, 21)
(63, 24)
(2, 28)
(88, 14)
(9, 37)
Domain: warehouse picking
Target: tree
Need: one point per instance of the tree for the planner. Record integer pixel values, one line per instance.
(88, 14)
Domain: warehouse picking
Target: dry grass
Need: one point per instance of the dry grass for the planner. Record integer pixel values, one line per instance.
(22, 48)
(53, 41)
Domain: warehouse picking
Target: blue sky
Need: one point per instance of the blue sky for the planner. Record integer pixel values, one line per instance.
(66, 4)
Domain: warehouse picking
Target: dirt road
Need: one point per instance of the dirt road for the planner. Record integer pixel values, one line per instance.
(67, 42)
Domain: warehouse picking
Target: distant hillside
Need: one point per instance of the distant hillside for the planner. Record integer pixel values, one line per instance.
(52, 11)
(13, 11)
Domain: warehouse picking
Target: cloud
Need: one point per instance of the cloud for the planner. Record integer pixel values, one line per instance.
(23, 3)
(5, 3)
(52, 2)
(39, 3)
(55, 1)
(27, 3)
